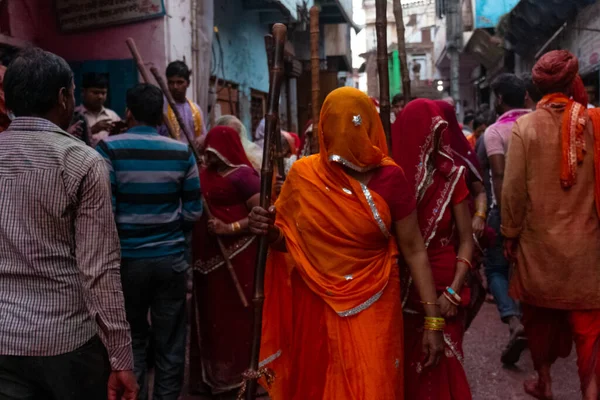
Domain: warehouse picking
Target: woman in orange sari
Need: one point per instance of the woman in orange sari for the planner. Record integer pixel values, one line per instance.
(421, 146)
(332, 324)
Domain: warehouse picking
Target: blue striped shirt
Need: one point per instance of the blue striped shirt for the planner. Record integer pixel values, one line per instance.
(155, 191)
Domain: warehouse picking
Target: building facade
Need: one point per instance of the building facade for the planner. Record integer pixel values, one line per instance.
(223, 42)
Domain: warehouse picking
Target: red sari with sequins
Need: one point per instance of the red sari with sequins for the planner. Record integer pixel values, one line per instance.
(421, 146)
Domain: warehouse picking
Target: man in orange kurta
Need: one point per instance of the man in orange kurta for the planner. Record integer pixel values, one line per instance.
(549, 213)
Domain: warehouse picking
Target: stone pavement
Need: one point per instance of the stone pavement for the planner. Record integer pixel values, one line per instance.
(488, 378)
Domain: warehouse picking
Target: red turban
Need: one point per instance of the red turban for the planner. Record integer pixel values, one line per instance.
(558, 71)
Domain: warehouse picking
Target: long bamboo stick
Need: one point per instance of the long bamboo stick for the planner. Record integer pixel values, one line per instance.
(253, 373)
(270, 48)
(382, 65)
(400, 29)
(146, 78)
(183, 128)
(315, 70)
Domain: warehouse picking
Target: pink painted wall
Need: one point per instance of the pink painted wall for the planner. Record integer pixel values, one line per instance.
(35, 21)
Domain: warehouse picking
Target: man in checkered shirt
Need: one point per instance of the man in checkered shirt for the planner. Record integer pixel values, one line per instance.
(63, 330)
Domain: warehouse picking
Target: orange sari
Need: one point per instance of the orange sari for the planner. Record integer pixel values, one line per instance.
(332, 324)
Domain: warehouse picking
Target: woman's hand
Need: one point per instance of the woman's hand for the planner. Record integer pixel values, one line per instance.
(447, 309)
(218, 227)
(433, 347)
(478, 226)
(261, 221)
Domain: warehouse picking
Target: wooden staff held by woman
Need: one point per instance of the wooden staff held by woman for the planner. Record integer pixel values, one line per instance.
(253, 373)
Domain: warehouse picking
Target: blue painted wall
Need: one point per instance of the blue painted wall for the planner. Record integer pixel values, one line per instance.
(488, 12)
(244, 57)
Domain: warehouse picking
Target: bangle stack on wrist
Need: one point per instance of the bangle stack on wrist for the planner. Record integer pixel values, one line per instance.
(434, 324)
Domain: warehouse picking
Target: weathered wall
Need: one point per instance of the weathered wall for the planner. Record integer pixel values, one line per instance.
(244, 59)
(35, 21)
(178, 36)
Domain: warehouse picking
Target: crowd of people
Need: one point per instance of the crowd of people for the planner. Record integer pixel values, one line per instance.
(380, 257)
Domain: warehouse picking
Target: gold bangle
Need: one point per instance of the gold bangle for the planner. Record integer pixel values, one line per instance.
(481, 215)
(429, 303)
(435, 319)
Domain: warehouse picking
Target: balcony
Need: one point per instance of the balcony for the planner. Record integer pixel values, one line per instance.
(276, 9)
(337, 12)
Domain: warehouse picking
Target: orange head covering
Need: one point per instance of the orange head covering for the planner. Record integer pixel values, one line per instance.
(350, 130)
(558, 71)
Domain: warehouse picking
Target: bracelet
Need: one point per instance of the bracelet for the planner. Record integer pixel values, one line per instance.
(453, 294)
(464, 261)
(481, 214)
(429, 303)
(434, 324)
(235, 227)
(450, 299)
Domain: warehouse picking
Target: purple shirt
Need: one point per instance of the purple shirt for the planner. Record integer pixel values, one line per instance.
(188, 119)
(497, 136)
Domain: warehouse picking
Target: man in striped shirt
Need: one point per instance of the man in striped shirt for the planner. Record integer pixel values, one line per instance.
(156, 199)
(63, 330)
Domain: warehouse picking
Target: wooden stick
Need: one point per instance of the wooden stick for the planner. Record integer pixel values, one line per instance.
(270, 48)
(146, 78)
(382, 65)
(315, 70)
(234, 277)
(279, 36)
(400, 29)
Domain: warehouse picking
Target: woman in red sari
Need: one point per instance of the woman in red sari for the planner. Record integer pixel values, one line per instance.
(421, 147)
(221, 325)
(484, 236)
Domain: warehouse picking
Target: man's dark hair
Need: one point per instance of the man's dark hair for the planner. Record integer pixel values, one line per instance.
(94, 80)
(480, 119)
(511, 88)
(180, 69)
(33, 80)
(469, 117)
(533, 90)
(145, 101)
(399, 98)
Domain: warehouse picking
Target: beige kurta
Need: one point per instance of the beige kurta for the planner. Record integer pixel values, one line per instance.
(558, 230)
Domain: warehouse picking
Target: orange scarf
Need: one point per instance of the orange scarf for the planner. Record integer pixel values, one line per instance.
(573, 140)
(196, 116)
(337, 230)
(594, 114)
